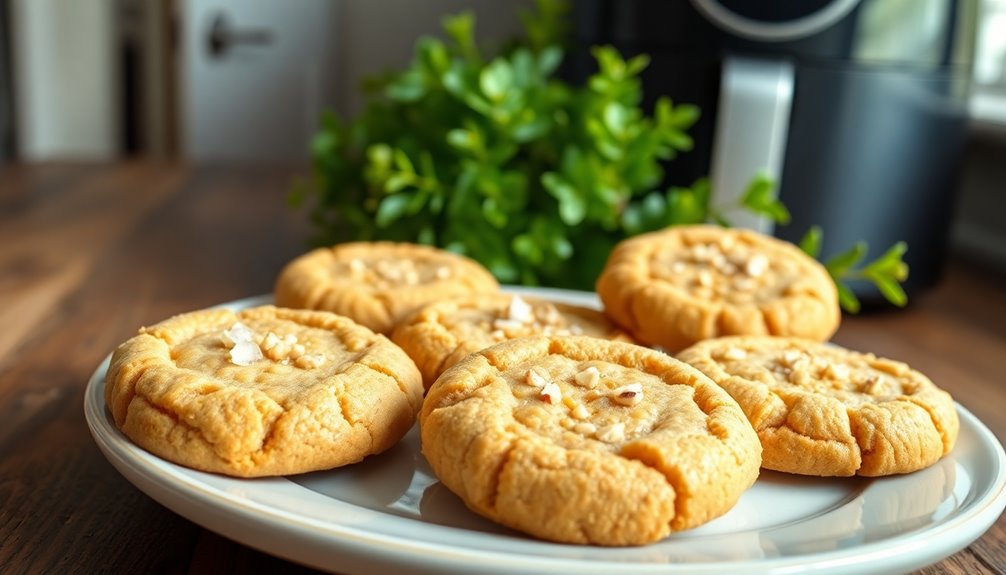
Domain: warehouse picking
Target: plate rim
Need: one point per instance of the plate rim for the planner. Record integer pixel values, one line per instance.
(157, 477)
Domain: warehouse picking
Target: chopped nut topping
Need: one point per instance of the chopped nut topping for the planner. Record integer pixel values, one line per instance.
(397, 270)
(718, 260)
(628, 394)
(309, 361)
(702, 252)
(580, 411)
(724, 265)
(734, 353)
(726, 242)
(297, 350)
(678, 267)
(756, 266)
(442, 272)
(356, 265)
(505, 324)
(245, 353)
(238, 333)
(241, 341)
(520, 310)
(705, 279)
(612, 433)
(279, 348)
(744, 284)
(870, 384)
(497, 334)
(551, 393)
(271, 340)
(585, 428)
(550, 315)
(837, 371)
(536, 377)
(790, 357)
(588, 378)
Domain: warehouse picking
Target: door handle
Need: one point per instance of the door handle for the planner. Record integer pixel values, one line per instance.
(222, 36)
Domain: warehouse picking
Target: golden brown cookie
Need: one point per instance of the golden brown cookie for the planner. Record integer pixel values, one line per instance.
(820, 409)
(377, 284)
(584, 440)
(442, 333)
(264, 391)
(688, 283)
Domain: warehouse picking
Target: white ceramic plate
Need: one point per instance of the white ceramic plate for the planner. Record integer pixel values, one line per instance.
(389, 513)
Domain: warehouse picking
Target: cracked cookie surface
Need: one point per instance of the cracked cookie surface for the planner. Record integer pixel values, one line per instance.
(583, 440)
(678, 286)
(827, 411)
(262, 391)
(377, 284)
(443, 333)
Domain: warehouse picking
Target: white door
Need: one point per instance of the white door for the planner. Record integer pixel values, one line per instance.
(255, 76)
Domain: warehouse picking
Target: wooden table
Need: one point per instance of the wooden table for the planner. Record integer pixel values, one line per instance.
(89, 253)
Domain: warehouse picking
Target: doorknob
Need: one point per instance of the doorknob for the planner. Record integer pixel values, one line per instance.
(222, 37)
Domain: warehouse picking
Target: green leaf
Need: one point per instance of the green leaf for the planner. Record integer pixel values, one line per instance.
(890, 263)
(461, 139)
(402, 162)
(846, 298)
(891, 290)
(679, 141)
(549, 60)
(759, 197)
(408, 87)
(810, 243)
(427, 236)
(461, 29)
(572, 206)
(636, 64)
(324, 143)
(528, 249)
(685, 116)
(398, 182)
(688, 205)
(840, 264)
(493, 213)
(616, 118)
(433, 55)
(392, 208)
(496, 79)
(647, 215)
(380, 155)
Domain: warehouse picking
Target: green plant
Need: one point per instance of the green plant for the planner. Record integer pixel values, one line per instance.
(495, 158)
(886, 272)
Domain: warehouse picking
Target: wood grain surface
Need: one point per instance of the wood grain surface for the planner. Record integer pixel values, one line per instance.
(90, 252)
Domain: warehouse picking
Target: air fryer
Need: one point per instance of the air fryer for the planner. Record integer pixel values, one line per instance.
(856, 108)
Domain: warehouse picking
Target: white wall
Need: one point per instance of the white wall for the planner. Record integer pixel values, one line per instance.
(66, 80)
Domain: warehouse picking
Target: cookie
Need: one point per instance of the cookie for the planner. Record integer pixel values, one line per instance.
(684, 284)
(824, 410)
(264, 391)
(377, 284)
(582, 440)
(443, 333)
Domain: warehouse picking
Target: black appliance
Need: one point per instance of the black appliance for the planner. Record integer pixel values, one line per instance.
(857, 108)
